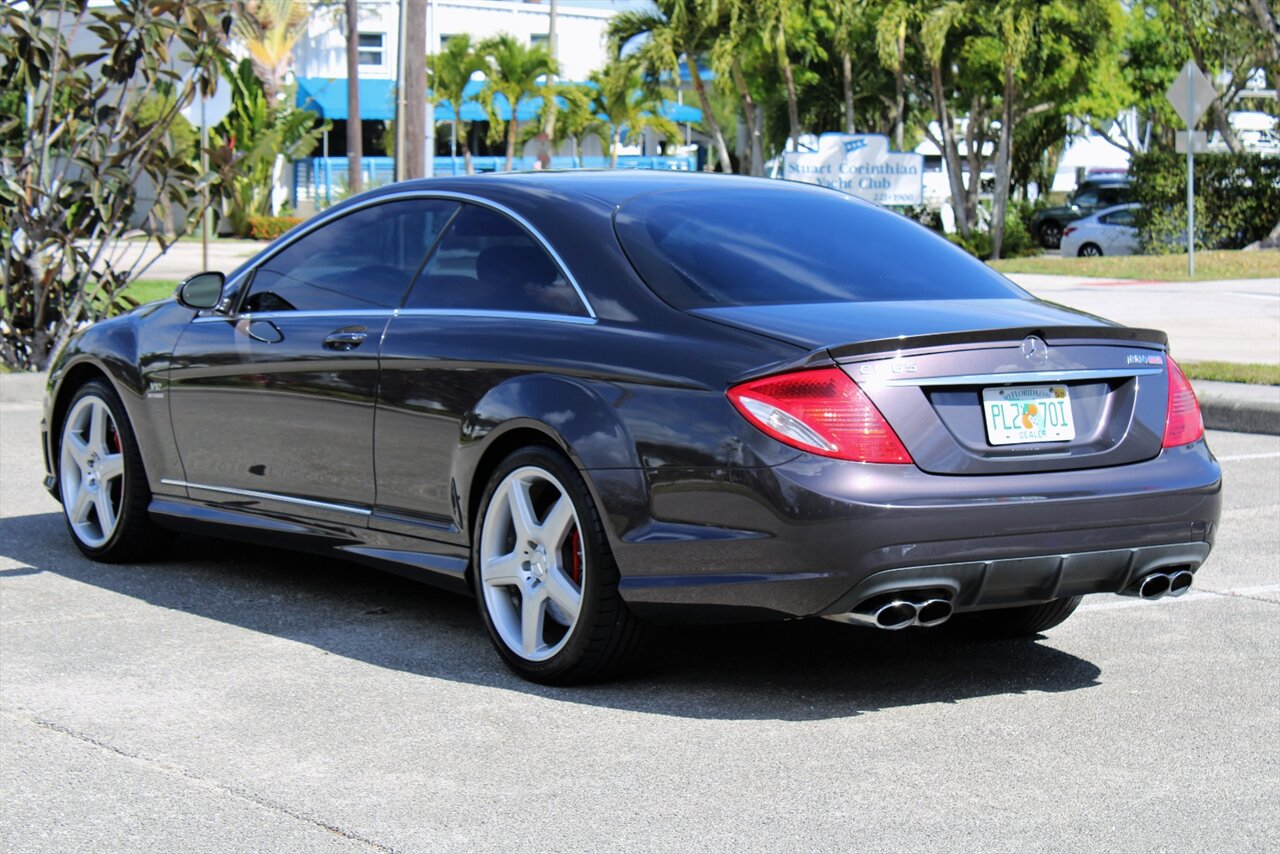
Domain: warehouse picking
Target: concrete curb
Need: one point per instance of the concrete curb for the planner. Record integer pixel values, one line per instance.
(1239, 407)
(1227, 406)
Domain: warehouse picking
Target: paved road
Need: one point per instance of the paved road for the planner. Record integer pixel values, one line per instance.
(1234, 320)
(236, 698)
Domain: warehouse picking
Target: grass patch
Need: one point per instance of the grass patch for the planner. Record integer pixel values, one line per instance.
(1219, 264)
(1233, 372)
(149, 290)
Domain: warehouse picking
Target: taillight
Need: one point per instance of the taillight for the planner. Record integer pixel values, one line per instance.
(821, 411)
(1068, 230)
(1182, 422)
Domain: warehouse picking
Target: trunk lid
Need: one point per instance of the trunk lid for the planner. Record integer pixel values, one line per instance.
(940, 372)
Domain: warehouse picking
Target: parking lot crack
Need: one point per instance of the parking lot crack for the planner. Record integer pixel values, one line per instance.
(194, 778)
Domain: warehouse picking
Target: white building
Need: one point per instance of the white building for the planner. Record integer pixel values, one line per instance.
(580, 34)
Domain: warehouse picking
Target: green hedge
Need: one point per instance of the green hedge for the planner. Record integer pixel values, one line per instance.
(1237, 199)
(270, 227)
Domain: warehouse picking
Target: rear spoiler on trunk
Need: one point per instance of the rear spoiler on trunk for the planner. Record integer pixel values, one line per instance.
(1052, 335)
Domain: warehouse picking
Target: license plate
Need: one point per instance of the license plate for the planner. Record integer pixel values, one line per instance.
(1026, 414)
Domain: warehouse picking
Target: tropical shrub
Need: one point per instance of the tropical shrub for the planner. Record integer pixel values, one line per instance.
(1237, 198)
(89, 143)
(270, 227)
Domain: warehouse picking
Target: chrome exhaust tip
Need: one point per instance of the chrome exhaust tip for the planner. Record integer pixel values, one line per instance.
(1153, 586)
(1180, 582)
(896, 615)
(933, 612)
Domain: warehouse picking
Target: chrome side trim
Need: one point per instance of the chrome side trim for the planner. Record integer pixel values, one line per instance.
(1012, 377)
(405, 312)
(510, 315)
(269, 496)
(450, 195)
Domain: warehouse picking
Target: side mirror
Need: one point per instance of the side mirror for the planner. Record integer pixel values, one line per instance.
(201, 291)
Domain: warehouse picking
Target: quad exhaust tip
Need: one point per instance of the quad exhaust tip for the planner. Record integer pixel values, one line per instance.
(1156, 585)
(900, 613)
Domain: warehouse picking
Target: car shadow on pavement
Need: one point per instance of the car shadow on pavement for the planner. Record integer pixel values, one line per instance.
(800, 670)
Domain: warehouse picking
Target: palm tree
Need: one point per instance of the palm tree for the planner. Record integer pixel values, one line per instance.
(741, 38)
(513, 71)
(572, 105)
(448, 73)
(673, 30)
(269, 29)
(773, 18)
(630, 107)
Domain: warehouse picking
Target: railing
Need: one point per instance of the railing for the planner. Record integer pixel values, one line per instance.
(322, 181)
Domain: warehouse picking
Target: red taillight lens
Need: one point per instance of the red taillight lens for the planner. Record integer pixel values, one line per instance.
(1182, 421)
(1068, 230)
(820, 411)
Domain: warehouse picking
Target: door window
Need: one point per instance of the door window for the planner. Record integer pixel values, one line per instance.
(1124, 217)
(360, 261)
(486, 261)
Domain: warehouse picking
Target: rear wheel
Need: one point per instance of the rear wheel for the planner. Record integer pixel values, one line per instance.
(1023, 621)
(545, 579)
(1051, 235)
(1090, 250)
(101, 479)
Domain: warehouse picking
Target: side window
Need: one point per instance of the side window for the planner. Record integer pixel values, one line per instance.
(1086, 200)
(1120, 218)
(486, 261)
(363, 260)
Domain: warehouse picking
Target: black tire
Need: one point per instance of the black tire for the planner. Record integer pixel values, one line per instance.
(1090, 250)
(135, 537)
(605, 637)
(1051, 234)
(1021, 622)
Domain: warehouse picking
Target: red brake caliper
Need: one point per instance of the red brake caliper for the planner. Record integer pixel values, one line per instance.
(575, 549)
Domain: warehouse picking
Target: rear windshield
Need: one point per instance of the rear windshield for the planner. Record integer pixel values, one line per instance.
(735, 246)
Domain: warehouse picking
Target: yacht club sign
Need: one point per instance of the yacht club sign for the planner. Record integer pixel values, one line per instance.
(861, 165)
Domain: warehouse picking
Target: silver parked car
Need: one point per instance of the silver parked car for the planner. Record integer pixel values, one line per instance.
(1112, 231)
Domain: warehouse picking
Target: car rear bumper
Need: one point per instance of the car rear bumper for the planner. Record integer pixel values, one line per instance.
(816, 536)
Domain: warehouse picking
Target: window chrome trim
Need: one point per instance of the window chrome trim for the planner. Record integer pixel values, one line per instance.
(269, 496)
(496, 313)
(447, 195)
(554, 317)
(1011, 377)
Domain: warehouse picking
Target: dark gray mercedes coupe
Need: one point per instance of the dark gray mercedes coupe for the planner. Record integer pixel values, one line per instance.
(599, 400)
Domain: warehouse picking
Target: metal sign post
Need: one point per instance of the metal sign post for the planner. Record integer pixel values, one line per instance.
(1191, 94)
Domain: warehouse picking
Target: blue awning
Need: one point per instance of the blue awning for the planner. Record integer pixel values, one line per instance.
(328, 97)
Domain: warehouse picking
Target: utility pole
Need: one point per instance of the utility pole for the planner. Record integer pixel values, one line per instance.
(549, 125)
(400, 94)
(414, 86)
(355, 133)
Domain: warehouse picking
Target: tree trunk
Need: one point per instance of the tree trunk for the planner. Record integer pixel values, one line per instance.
(354, 131)
(513, 128)
(899, 89)
(466, 154)
(415, 90)
(949, 152)
(722, 150)
(793, 105)
(1003, 156)
(614, 142)
(846, 70)
(756, 161)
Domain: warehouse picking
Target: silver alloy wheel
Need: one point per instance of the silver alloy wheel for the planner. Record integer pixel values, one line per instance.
(532, 564)
(91, 471)
(1089, 250)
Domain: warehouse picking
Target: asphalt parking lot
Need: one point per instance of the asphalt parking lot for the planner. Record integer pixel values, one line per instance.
(236, 698)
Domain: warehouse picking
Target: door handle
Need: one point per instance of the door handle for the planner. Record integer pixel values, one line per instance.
(346, 339)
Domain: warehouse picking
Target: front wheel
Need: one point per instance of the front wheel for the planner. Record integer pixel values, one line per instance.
(101, 480)
(544, 576)
(1020, 622)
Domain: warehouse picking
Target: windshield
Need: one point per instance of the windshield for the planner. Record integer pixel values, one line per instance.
(779, 245)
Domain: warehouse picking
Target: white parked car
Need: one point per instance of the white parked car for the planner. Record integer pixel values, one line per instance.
(1111, 231)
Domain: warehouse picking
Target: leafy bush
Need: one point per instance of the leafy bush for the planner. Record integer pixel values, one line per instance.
(1237, 199)
(270, 227)
(1017, 234)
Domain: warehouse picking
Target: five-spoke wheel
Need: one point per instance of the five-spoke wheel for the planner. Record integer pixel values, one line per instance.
(101, 480)
(544, 575)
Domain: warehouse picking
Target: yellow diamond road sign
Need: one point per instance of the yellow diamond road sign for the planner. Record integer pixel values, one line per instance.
(1191, 93)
